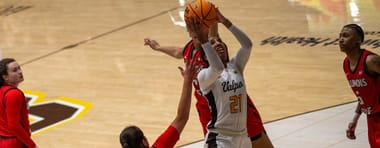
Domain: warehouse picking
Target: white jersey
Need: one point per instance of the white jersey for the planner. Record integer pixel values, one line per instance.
(228, 101)
(224, 87)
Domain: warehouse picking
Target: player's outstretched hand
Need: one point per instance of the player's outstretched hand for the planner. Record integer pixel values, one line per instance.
(196, 31)
(151, 43)
(189, 72)
(220, 18)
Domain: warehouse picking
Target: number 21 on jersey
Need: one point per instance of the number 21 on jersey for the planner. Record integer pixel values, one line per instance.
(235, 105)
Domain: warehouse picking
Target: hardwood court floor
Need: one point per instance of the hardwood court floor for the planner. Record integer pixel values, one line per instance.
(316, 129)
(93, 51)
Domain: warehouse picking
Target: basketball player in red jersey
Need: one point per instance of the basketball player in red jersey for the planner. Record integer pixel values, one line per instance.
(192, 50)
(14, 122)
(133, 137)
(362, 69)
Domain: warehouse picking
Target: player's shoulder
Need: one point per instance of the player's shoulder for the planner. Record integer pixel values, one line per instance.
(11, 90)
(372, 63)
(6, 88)
(373, 58)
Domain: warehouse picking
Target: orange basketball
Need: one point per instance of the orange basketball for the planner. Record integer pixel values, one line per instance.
(203, 10)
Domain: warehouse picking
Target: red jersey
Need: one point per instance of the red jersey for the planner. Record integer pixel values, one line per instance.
(14, 122)
(167, 139)
(365, 86)
(190, 53)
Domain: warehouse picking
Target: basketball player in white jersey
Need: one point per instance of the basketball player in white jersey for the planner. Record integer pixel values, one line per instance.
(223, 85)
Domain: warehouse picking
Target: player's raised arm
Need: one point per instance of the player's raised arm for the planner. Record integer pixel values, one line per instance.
(173, 51)
(183, 109)
(206, 76)
(242, 56)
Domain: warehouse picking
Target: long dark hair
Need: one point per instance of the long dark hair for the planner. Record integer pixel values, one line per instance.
(3, 68)
(132, 137)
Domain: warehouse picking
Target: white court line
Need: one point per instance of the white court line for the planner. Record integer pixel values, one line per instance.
(319, 129)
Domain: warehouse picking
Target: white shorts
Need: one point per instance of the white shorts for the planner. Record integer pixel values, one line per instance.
(222, 139)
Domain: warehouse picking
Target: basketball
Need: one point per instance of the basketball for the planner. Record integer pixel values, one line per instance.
(203, 10)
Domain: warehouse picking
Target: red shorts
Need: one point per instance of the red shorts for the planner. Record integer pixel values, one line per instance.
(373, 123)
(203, 112)
(11, 143)
(254, 123)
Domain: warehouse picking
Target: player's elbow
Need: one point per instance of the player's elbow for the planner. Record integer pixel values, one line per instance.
(178, 55)
(182, 120)
(248, 45)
